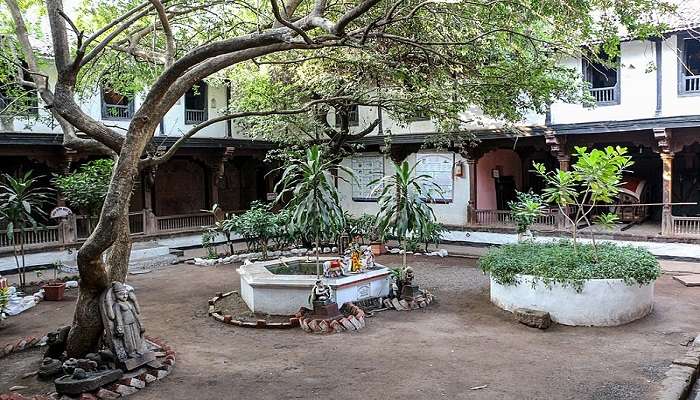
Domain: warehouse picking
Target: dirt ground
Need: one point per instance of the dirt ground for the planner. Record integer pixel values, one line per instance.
(460, 343)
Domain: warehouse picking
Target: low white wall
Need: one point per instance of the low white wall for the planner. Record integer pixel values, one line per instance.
(602, 302)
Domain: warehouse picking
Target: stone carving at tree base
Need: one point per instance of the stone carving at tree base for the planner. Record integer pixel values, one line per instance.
(81, 381)
(123, 329)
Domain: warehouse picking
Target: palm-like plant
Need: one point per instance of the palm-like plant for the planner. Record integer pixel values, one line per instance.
(314, 207)
(20, 203)
(403, 207)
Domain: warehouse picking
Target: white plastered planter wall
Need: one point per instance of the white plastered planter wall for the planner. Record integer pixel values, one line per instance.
(601, 302)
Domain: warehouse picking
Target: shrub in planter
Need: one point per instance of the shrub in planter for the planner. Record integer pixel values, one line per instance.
(561, 263)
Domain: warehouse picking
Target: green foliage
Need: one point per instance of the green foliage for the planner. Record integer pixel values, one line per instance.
(595, 178)
(561, 263)
(431, 234)
(363, 227)
(403, 204)
(257, 225)
(208, 238)
(526, 209)
(21, 202)
(315, 208)
(86, 188)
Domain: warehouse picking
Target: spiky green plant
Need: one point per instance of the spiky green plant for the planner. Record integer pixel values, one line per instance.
(314, 207)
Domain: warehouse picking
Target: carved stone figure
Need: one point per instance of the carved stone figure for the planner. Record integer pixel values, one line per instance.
(368, 258)
(407, 289)
(123, 329)
(56, 342)
(332, 269)
(320, 293)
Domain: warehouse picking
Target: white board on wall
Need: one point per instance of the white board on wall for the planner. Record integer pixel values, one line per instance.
(439, 167)
(367, 168)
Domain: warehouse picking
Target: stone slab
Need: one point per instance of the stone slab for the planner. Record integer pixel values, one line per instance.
(688, 280)
(534, 318)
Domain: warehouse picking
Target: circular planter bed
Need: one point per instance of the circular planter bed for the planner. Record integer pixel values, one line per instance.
(603, 285)
(601, 302)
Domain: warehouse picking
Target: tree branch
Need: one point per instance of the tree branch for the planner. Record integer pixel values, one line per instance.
(167, 31)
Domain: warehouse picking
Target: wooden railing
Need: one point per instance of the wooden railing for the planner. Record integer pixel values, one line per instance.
(184, 222)
(686, 225)
(604, 95)
(32, 237)
(692, 83)
(85, 225)
(195, 116)
(505, 218)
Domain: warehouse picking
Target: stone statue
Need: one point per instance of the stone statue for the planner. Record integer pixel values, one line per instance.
(407, 289)
(368, 258)
(332, 269)
(320, 293)
(123, 329)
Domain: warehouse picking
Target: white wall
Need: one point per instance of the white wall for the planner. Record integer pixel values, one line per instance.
(672, 103)
(453, 213)
(637, 89)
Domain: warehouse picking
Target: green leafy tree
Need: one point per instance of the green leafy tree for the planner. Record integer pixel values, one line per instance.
(500, 54)
(4, 300)
(403, 207)
(595, 178)
(525, 210)
(86, 188)
(21, 202)
(315, 206)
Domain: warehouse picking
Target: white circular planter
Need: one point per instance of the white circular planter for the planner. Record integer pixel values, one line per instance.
(602, 302)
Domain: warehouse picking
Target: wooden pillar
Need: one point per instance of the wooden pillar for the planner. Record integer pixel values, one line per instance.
(666, 152)
(559, 149)
(564, 161)
(150, 224)
(471, 205)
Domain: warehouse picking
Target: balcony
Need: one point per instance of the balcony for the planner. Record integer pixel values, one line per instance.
(604, 95)
(193, 117)
(691, 84)
(116, 111)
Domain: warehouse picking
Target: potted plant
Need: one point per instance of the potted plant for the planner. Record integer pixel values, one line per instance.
(55, 288)
(4, 299)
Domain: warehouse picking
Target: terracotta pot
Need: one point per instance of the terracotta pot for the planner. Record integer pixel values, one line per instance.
(54, 291)
(377, 248)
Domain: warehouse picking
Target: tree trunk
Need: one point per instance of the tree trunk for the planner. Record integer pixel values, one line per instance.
(111, 233)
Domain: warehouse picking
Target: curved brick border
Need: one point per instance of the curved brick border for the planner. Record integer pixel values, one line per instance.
(681, 376)
(353, 322)
(261, 323)
(408, 305)
(129, 384)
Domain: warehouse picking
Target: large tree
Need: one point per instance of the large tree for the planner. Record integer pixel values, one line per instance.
(437, 56)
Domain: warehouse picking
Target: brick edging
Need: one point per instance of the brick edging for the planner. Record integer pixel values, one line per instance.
(121, 388)
(231, 320)
(681, 374)
(408, 305)
(353, 322)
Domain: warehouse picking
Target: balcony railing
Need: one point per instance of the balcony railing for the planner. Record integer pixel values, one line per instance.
(116, 111)
(195, 116)
(691, 84)
(604, 95)
(686, 225)
(184, 222)
(31, 237)
(505, 218)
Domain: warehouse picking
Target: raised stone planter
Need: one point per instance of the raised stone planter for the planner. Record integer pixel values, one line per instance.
(602, 302)
(279, 294)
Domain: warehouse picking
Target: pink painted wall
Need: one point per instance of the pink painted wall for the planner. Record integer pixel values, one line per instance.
(510, 164)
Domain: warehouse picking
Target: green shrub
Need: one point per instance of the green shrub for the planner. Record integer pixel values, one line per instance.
(560, 263)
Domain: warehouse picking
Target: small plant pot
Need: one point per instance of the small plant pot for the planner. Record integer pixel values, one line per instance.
(377, 248)
(54, 291)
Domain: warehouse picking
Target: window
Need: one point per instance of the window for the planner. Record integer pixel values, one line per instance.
(116, 105)
(353, 116)
(421, 115)
(689, 77)
(196, 104)
(439, 167)
(603, 79)
(367, 168)
(19, 97)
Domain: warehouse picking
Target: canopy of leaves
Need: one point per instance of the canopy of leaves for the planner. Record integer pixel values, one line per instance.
(85, 189)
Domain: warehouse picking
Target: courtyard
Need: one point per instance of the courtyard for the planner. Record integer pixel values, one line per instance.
(461, 347)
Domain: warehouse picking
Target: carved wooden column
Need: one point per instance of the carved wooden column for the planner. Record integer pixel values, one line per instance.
(559, 149)
(150, 224)
(665, 149)
(219, 173)
(471, 153)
